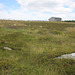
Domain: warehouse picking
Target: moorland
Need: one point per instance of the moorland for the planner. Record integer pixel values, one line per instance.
(35, 44)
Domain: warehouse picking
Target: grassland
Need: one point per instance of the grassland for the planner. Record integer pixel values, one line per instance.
(34, 48)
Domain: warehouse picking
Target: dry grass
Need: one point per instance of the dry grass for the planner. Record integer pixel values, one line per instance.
(70, 29)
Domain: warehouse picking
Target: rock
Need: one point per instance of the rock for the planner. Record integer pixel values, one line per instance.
(14, 24)
(41, 26)
(7, 48)
(67, 56)
(73, 54)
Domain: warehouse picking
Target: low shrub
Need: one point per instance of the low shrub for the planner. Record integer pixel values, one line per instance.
(58, 32)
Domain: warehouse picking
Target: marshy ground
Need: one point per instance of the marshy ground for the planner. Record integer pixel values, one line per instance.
(34, 48)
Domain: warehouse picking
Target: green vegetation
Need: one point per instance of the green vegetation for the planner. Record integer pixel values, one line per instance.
(34, 48)
(69, 21)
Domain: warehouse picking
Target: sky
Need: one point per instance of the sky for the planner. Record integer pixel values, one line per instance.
(37, 9)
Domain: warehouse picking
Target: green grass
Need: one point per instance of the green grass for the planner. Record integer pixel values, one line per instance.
(35, 48)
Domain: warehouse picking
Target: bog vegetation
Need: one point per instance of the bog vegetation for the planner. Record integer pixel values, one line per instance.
(34, 48)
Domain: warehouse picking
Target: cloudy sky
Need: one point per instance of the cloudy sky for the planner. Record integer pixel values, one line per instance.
(37, 9)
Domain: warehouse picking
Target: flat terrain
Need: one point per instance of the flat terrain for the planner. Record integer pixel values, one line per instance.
(34, 46)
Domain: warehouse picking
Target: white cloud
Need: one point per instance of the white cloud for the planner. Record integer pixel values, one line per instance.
(1, 5)
(21, 15)
(47, 5)
(40, 10)
(71, 4)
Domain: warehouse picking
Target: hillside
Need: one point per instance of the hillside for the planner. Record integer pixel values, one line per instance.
(34, 46)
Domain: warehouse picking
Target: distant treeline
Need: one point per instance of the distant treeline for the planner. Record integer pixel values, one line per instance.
(69, 21)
